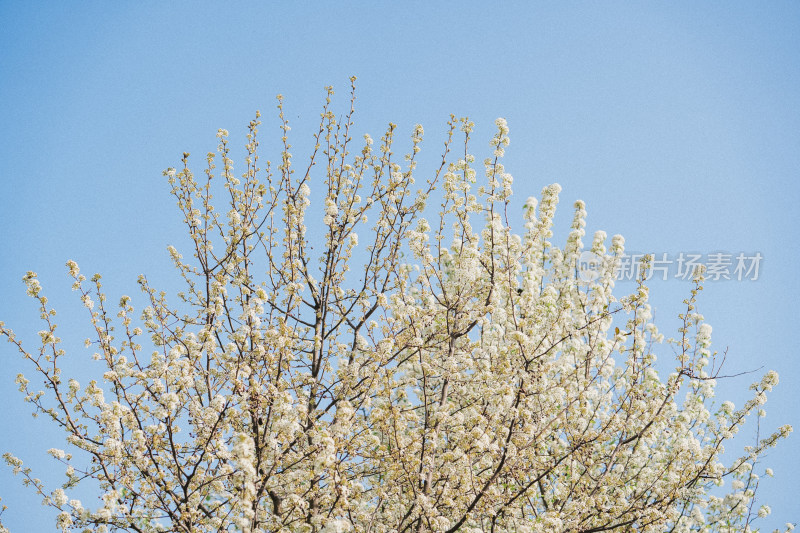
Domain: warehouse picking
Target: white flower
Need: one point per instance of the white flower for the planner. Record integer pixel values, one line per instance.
(170, 401)
(55, 452)
(330, 207)
(59, 498)
(617, 244)
(704, 335)
(87, 301)
(73, 268)
(336, 526)
(331, 210)
(769, 380)
(764, 511)
(244, 452)
(64, 520)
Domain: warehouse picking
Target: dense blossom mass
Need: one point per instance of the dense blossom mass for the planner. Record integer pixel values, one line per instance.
(339, 362)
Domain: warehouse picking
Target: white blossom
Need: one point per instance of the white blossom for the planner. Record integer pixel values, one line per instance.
(321, 373)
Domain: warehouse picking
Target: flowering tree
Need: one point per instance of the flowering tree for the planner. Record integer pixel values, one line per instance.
(384, 372)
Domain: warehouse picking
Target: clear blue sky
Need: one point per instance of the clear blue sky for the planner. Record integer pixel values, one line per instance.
(677, 122)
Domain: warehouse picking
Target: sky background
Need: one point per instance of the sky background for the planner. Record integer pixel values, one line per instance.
(678, 123)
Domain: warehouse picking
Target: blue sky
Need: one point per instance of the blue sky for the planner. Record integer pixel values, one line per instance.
(678, 123)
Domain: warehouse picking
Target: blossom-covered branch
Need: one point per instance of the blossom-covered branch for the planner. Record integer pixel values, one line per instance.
(345, 357)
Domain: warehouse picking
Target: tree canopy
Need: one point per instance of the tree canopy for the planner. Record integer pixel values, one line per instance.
(344, 356)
